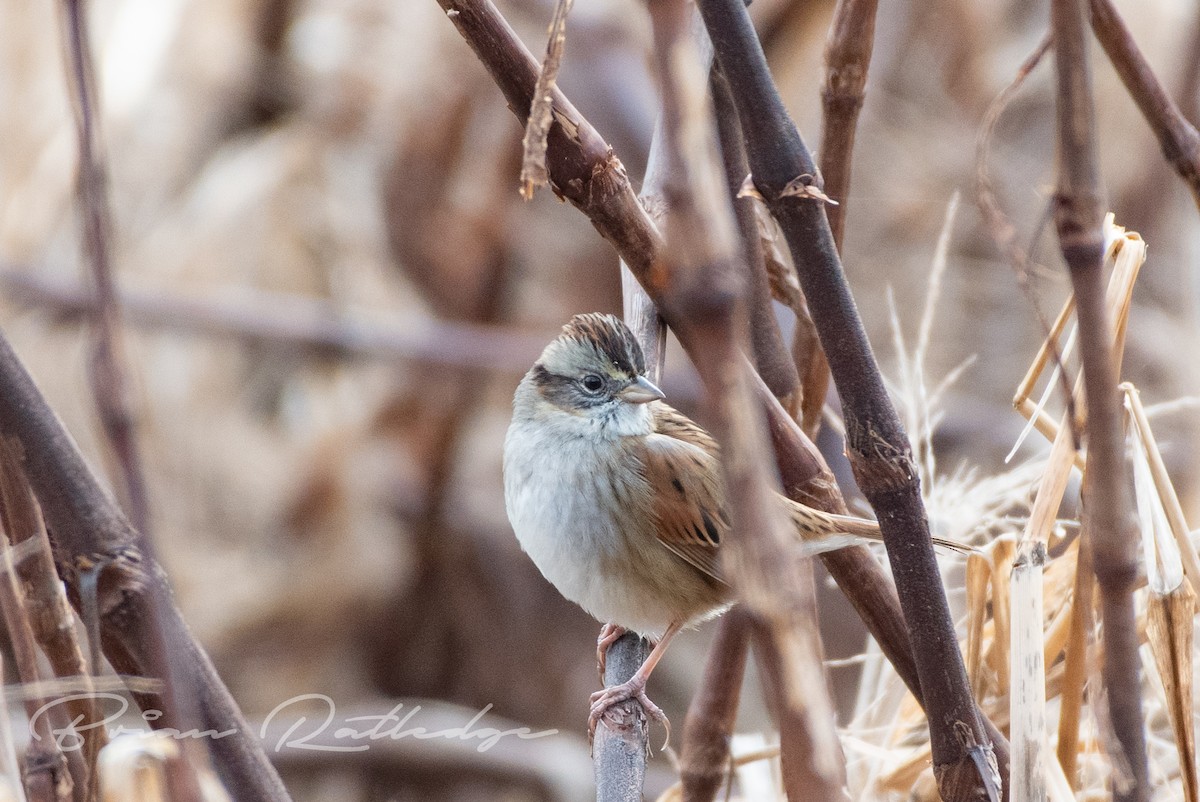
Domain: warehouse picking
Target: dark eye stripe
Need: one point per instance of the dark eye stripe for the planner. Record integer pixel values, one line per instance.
(564, 391)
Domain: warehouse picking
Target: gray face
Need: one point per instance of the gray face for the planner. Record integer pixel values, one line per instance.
(594, 358)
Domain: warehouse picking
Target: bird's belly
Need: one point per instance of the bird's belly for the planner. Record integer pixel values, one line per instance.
(562, 507)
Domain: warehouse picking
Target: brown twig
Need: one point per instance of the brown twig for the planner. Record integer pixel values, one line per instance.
(109, 383)
(704, 761)
(1001, 228)
(92, 535)
(1178, 138)
(771, 357)
(785, 175)
(1110, 525)
(847, 59)
(533, 165)
(294, 323)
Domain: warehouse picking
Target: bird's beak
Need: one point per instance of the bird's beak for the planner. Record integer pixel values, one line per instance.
(641, 391)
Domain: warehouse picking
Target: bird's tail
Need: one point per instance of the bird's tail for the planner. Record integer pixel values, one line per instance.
(826, 531)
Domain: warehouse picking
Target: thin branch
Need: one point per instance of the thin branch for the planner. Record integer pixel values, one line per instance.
(1001, 228)
(107, 371)
(704, 761)
(108, 375)
(1110, 523)
(771, 356)
(533, 163)
(847, 59)
(92, 536)
(1178, 138)
(784, 173)
(292, 322)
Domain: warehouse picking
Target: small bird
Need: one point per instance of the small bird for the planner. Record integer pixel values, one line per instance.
(618, 500)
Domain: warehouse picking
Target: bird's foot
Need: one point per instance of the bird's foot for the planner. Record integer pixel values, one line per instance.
(609, 634)
(635, 688)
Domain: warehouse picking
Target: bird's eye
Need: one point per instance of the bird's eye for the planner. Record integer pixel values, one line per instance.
(592, 383)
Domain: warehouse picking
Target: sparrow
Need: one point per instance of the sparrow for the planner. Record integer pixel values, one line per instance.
(617, 497)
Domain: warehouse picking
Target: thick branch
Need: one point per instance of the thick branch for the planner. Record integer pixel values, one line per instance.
(1109, 512)
(785, 175)
(619, 749)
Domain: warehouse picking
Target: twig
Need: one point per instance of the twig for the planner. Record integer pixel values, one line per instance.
(92, 535)
(1111, 528)
(1178, 138)
(847, 59)
(771, 357)
(1001, 229)
(785, 175)
(109, 384)
(292, 322)
(704, 761)
(533, 165)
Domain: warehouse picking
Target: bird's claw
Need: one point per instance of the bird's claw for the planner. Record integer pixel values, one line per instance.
(609, 634)
(603, 701)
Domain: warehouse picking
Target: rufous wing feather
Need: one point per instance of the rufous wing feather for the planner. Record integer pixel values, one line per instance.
(680, 463)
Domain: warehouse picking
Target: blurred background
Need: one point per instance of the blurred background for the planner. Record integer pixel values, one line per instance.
(332, 518)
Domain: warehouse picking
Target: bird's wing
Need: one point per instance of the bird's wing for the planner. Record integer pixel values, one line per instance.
(680, 464)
